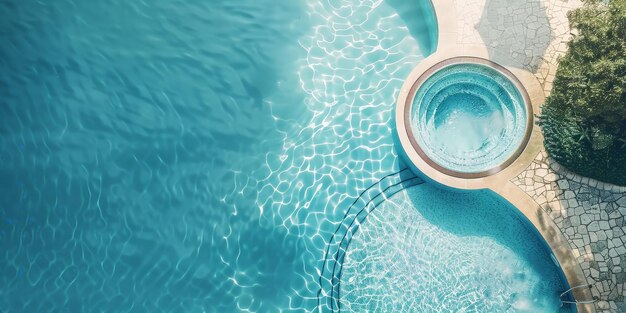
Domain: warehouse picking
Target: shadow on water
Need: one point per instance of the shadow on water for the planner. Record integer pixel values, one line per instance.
(419, 17)
(517, 32)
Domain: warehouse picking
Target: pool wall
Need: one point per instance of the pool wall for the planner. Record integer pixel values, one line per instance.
(535, 96)
(409, 107)
(500, 181)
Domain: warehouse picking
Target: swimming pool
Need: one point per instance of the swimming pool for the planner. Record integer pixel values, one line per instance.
(405, 245)
(191, 157)
(432, 250)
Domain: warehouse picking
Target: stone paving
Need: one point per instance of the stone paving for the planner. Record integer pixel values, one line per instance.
(533, 34)
(528, 34)
(591, 215)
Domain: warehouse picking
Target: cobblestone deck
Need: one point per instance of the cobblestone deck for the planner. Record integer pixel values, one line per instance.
(528, 34)
(591, 215)
(533, 35)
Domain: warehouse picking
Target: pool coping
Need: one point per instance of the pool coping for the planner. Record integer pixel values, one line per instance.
(528, 151)
(447, 47)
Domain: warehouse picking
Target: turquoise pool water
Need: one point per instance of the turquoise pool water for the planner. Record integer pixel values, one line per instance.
(431, 250)
(190, 156)
(468, 117)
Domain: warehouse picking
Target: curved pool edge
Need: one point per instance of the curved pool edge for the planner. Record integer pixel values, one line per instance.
(500, 183)
(524, 157)
(555, 239)
(440, 66)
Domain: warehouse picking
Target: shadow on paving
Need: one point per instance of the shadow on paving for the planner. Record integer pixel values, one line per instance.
(517, 32)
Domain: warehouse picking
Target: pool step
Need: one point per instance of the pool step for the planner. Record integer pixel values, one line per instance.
(366, 202)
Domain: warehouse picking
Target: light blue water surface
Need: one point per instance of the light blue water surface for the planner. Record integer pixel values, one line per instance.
(468, 117)
(179, 156)
(433, 250)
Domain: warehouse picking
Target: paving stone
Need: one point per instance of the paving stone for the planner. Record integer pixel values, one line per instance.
(594, 273)
(578, 243)
(594, 226)
(599, 246)
(541, 172)
(593, 237)
(550, 177)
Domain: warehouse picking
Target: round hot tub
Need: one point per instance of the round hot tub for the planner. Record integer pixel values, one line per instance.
(468, 117)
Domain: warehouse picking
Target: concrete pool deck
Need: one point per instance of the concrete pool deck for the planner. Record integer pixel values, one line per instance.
(582, 220)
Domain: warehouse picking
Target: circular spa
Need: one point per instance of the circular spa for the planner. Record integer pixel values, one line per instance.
(468, 117)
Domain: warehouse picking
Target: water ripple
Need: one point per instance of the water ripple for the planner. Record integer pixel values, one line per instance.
(168, 157)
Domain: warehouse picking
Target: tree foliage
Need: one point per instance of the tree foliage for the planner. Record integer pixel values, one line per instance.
(584, 118)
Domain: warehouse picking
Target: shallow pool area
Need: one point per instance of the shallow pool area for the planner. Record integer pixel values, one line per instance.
(432, 250)
(468, 115)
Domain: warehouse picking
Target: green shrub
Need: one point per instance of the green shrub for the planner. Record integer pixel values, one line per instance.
(584, 118)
